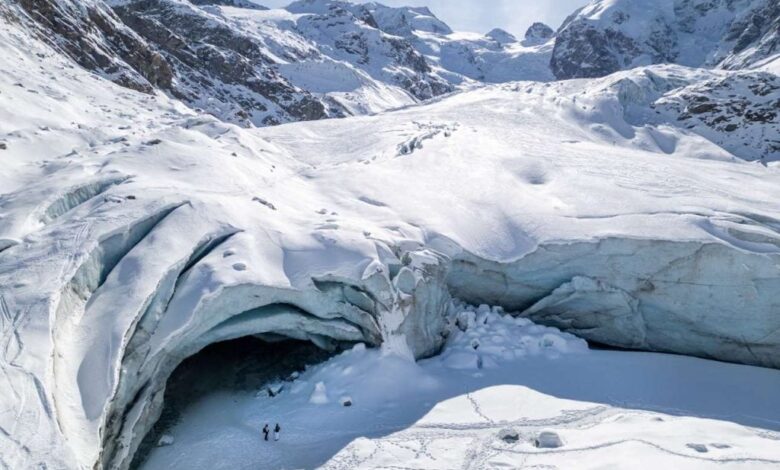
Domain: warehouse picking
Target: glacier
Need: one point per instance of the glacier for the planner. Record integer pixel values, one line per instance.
(136, 230)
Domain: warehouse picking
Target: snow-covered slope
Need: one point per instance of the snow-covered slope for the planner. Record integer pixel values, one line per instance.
(249, 65)
(88, 32)
(610, 35)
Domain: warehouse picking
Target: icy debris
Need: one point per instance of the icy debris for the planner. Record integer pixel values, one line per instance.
(165, 440)
(425, 131)
(465, 320)
(239, 267)
(320, 394)
(509, 435)
(274, 389)
(548, 440)
(484, 337)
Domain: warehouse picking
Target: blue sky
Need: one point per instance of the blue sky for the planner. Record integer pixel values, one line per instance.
(483, 15)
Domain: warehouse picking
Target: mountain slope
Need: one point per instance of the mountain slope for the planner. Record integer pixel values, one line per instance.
(610, 35)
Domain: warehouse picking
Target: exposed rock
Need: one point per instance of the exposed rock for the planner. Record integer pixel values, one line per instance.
(740, 112)
(90, 34)
(378, 46)
(231, 3)
(539, 33)
(700, 448)
(755, 36)
(607, 36)
(548, 440)
(501, 36)
(219, 69)
(509, 435)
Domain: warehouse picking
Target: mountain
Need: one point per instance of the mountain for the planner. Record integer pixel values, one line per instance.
(539, 33)
(252, 66)
(610, 35)
(90, 33)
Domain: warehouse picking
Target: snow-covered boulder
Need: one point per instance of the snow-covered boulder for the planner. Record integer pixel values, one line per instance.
(509, 435)
(548, 440)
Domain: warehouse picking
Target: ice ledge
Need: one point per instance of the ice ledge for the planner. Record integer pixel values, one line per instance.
(706, 299)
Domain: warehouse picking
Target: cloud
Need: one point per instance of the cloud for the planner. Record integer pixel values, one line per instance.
(483, 15)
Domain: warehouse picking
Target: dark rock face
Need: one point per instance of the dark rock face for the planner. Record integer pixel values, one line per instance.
(740, 112)
(582, 51)
(501, 36)
(230, 3)
(755, 37)
(587, 48)
(539, 32)
(90, 34)
(217, 68)
(605, 37)
(359, 37)
(191, 51)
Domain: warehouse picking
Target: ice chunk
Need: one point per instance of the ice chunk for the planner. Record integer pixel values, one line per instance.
(165, 440)
(548, 440)
(320, 394)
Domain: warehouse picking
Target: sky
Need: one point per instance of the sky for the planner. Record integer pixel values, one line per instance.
(481, 16)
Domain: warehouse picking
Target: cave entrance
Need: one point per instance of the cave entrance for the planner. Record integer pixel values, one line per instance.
(245, 365)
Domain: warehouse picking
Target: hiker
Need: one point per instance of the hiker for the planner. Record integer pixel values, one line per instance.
(266, 431)
(276, 432)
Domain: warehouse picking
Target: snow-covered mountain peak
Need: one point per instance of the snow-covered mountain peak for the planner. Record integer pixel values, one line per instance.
(398, 21)
(501, 36)
(538, 33)
(610, 35)
(231, 3)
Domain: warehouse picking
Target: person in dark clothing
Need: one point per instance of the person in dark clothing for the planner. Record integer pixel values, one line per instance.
(277, 429)
(266, 431)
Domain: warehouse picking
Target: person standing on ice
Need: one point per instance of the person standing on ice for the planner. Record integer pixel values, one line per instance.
(277, 429)
(266, 431)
